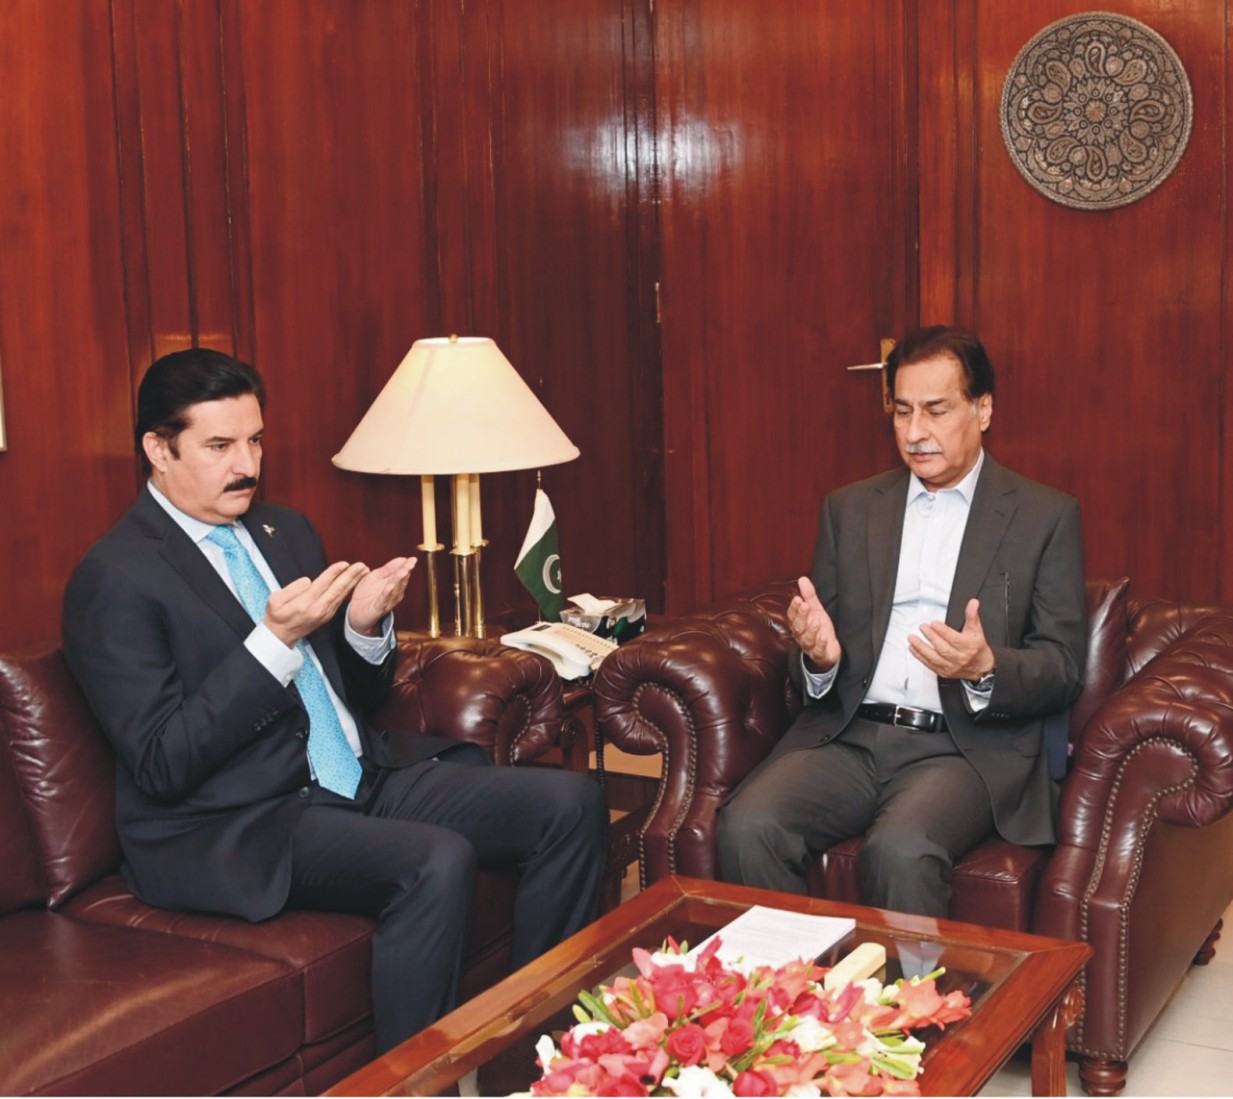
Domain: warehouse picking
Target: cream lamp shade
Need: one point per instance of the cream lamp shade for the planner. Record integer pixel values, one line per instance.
(455, 405)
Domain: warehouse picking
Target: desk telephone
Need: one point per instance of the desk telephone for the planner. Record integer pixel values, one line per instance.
(574, 653)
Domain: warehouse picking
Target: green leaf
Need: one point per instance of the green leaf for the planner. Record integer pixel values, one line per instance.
(597, 1008)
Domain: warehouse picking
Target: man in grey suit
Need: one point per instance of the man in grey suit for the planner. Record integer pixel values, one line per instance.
(232, 667)
(943, 623)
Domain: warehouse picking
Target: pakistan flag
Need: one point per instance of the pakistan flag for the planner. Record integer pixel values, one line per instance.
(539, 564)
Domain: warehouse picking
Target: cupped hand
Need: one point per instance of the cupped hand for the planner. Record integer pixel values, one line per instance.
(378, 593)
(955, 654)
(812, 628)
(304, 605)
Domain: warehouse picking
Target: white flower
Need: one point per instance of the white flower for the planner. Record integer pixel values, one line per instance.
(546, 1051)
(585, 1030)
(872, 989)
(662, 958)
(811, 1034)
(696, 1082)
(803, 1091)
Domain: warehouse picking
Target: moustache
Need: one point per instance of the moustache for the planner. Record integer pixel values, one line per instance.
(922, 448)
(241, 484)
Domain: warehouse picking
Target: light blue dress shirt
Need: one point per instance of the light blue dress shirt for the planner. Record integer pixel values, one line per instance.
(933, 527)
(281, 661)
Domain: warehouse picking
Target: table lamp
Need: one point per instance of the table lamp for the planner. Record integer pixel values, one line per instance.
(455, 406)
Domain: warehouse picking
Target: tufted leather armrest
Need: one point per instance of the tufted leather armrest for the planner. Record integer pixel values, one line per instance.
(713, 694)
(1144, 823)
(506, 700)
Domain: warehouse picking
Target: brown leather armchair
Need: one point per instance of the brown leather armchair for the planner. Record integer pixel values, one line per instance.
(1143, 867)
(101, 994)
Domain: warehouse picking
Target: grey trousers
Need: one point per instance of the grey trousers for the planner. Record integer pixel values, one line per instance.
(918, 802)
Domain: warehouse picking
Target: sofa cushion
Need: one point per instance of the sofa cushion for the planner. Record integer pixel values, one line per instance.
(994, 884)
(100, 1010)
(331, 950)
(64, 769)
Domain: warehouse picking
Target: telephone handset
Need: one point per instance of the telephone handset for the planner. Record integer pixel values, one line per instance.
(574, 652)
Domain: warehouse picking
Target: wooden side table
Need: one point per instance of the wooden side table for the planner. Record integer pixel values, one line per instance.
(629, 803)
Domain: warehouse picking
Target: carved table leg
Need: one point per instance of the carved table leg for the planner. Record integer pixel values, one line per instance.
(1049, 1044)
(1102, 1077)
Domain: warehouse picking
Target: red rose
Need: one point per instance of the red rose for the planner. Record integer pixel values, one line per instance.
(675, 994)
(755, 1082)
(593, 1046)
(623, 1085)
(737, 1038)
(687, 1044)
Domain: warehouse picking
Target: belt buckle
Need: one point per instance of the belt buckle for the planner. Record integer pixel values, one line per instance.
(895, 718)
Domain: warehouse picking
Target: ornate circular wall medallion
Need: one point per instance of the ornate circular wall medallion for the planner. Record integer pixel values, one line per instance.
(1096, 111)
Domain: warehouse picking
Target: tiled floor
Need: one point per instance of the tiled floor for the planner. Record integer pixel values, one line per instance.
(1189, 1050)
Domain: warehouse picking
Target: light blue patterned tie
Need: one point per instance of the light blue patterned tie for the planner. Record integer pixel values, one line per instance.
(333, 760)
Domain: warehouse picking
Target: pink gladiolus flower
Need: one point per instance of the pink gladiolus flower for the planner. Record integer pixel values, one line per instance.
(647, 1032)
(679, 1025)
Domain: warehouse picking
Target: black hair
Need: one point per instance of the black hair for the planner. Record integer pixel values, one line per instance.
(939, 339)
(176, 382)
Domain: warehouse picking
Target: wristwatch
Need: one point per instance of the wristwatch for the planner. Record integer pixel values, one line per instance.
(985, 682)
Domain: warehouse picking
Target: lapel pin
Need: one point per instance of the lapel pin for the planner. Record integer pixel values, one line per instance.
(268, 529)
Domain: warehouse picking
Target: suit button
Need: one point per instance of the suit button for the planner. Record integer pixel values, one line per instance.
(301, 734)
(303, 791)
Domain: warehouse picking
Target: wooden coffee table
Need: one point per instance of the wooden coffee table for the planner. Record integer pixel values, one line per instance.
(1022, 989)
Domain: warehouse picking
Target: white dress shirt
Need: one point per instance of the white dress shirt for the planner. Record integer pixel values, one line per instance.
(933, 527)
(282, 662)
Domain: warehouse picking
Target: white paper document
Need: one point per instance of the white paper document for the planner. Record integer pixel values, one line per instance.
(771, 936)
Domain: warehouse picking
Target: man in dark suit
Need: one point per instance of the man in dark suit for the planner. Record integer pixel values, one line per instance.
(231, 666)
(944, 621)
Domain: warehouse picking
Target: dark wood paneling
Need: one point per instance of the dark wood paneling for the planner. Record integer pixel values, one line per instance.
(333, 115)
(783, 158)
(569, 217)
(319, 185)
(478, 189)
(1107, 326)
(68, 472)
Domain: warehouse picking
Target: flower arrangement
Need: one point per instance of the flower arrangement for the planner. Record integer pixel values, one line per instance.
(689, 1025)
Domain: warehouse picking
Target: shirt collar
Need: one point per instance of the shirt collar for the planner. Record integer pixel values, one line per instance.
(966, 488)
(196, 529)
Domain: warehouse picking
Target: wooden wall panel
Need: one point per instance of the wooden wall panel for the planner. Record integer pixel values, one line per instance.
(414, 171)
(334, 113)
(1107, 327)
(68, 471)
(567, 310)
(786, 258)
(317, 186)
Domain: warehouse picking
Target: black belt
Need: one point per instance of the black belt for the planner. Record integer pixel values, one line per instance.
(886, 714)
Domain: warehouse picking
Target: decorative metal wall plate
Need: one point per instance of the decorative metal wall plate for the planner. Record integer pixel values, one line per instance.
(1096, 111)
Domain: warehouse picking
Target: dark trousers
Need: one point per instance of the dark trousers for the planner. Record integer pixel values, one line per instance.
(406, 851)
(917, 801)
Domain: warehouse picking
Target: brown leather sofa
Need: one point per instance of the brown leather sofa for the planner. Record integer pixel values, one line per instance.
(1143, 867)
(101, 994)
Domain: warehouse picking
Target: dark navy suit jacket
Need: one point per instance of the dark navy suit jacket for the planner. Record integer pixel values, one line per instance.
(211, 748)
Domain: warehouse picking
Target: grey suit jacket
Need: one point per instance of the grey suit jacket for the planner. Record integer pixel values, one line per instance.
(1022, 556)
(211, 750)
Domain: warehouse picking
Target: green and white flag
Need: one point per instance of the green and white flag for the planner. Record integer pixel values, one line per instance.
(539, 564)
